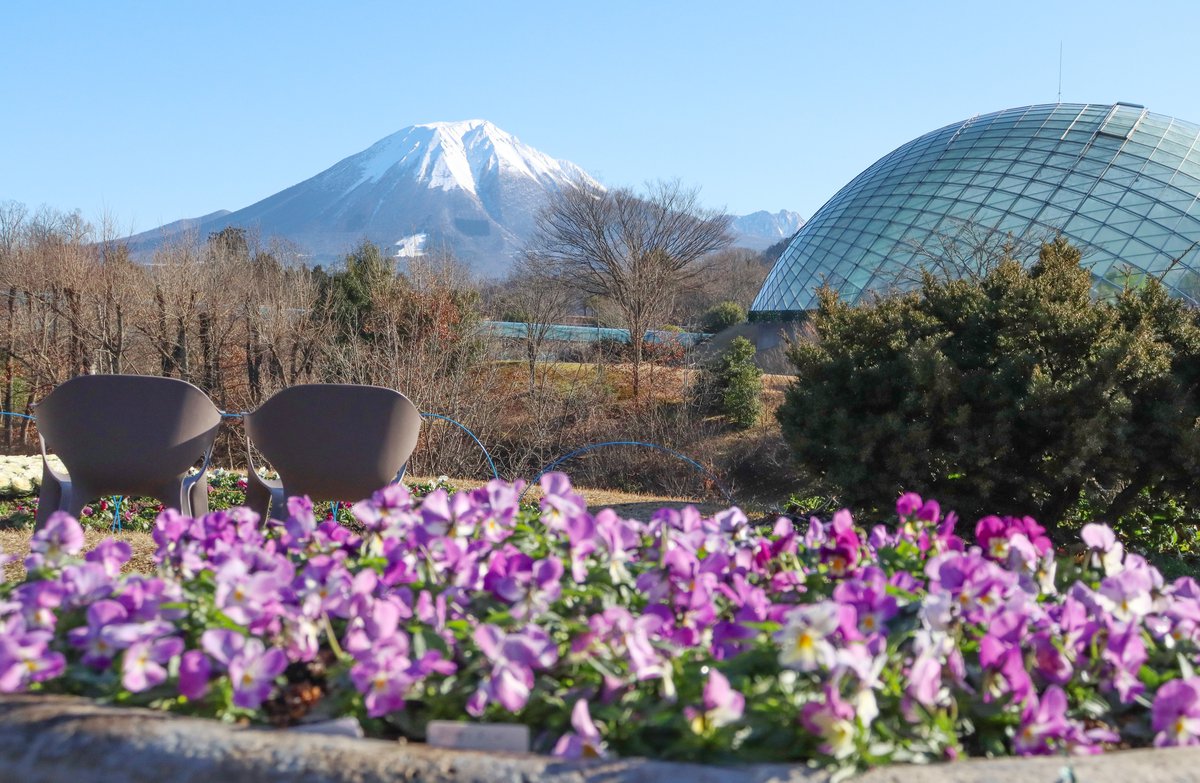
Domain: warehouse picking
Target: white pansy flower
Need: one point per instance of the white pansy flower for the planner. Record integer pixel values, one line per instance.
(804, 643)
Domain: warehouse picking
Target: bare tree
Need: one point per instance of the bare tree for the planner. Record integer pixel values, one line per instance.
(966, 249)
(13, 217)
(539, 299)
(633, 249)
(732, 275)
(12, 224)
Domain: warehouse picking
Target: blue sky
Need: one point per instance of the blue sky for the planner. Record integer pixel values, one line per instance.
(154, 111)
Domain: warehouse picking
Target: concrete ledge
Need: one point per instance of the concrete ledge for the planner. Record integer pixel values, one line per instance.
(55, 739)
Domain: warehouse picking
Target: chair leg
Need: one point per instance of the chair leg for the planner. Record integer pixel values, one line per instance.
(198, 497)
(49, 498)
(258, 497)
(75, 497)
(279, 509)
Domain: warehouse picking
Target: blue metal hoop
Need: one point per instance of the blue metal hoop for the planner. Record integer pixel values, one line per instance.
(491, 464)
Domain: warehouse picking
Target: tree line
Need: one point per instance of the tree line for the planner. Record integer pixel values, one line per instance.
(238, 318)
(242, 318)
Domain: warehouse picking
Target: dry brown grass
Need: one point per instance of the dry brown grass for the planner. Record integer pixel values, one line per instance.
(663, 383)
(15, 541)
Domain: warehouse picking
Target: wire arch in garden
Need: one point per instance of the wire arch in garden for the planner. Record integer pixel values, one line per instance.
(672, 452)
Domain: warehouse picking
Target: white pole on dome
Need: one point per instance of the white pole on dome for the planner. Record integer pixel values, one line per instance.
(1060, 51)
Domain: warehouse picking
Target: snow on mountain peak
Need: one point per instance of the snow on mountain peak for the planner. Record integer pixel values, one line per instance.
(455, 155)
(466, 188)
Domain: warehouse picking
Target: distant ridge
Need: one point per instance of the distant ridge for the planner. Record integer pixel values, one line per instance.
(467, 187)
(759, 230)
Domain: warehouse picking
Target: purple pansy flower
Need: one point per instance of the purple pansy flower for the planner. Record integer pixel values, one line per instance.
(144, 664)
(384, 674)
(252, 671)
(194, 672)
(55, 542)
(514, 657)
(26, 658)
(585, 741)
(1175, 715)
(1043, 722)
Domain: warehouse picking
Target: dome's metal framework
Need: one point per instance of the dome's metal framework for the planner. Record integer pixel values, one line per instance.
(1118, 181)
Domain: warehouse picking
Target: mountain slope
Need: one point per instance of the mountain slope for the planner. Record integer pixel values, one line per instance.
(759, 230)
(468, 187)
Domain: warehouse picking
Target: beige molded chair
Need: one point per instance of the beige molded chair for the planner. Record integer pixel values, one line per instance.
(328, 441)
(125, 435)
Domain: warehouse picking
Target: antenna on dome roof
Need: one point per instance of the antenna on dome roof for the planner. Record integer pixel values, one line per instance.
(1060, 51)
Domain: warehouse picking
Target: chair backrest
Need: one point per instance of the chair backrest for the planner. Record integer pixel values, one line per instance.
(129, 434)
(335, 441)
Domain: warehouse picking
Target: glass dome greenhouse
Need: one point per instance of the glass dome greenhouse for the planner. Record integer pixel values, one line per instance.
(1116, 180)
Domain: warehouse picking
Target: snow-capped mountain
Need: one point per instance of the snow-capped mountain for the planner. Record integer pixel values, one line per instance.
(468, 187)
(759, 230)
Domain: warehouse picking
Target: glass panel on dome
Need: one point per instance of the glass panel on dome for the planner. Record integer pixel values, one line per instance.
(1143, 256)
(1107, 235)
(1158, 171)
(1154, 235)
(1001, 201)
(1107, 191)
(975, 194)
(1180, 199)
(1027, 208)
(1175, 146)
(1124, 222)
(1140, 147)
(1039, 190)
(1082, 236)
(1096, 210)
(1011, 184)
(860, 277)
(1122, 120)
(1080, 222)
(962, 210)
(1162, 212)
(1106, 146)
(1120, 175)
(1053, 215)
(1068, 199)
(1153, 124)
(1089, 167)
(1066, 162)
(1174, 245)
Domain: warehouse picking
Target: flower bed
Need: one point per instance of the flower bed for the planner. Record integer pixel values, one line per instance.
(21, 476)
(226, 489)
(683, 637)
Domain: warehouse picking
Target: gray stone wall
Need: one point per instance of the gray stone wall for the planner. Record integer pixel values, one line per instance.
(66, 740)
